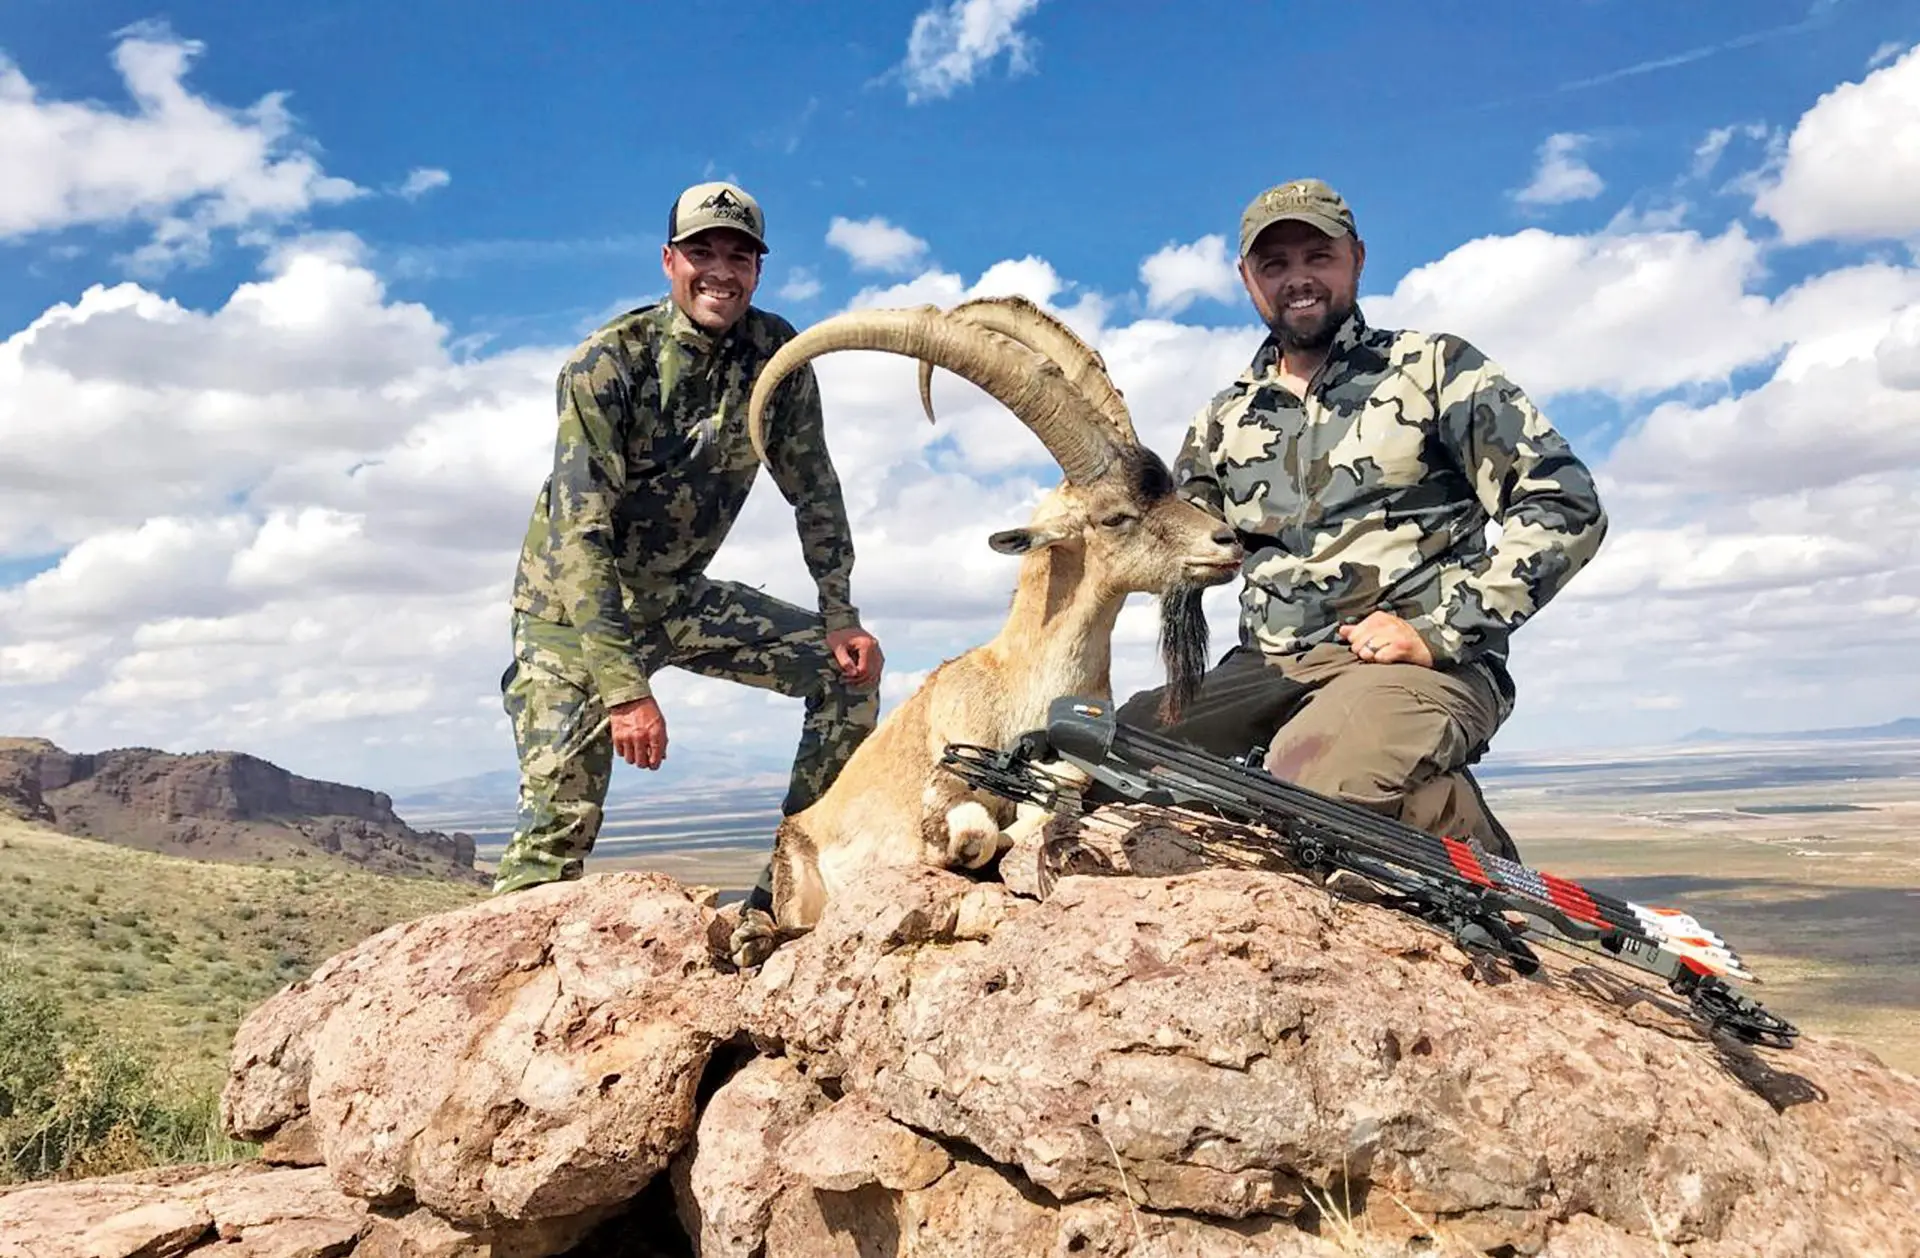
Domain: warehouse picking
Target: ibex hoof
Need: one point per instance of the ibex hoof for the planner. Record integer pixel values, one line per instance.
(753, 940)
(970, 849)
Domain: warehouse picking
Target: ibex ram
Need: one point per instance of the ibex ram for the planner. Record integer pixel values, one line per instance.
(1113, 527)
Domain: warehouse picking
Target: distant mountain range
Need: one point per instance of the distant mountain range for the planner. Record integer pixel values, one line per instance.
(1905, 727)
(688, 773)
(699, 773)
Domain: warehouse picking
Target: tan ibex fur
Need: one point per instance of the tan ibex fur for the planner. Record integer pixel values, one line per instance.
(1114, 527)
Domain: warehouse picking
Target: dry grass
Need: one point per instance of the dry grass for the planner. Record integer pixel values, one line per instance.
(169, 954)
(1357, 1235)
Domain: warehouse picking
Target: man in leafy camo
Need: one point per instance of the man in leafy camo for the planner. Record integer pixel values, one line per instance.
(652, 464)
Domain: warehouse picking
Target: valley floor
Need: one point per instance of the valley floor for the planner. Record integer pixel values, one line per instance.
(1816, 883)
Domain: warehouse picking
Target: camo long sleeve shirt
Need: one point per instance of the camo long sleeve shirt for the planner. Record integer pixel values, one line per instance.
(1375, 491)
(652, 464)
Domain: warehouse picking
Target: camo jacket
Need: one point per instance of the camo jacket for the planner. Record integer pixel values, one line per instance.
(651, 467)
(1375, 491)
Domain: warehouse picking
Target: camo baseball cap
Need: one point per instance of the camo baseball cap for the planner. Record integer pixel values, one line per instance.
(708, 205)
(1306, 201)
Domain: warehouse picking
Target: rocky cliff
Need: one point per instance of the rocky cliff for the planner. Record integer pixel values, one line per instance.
(1204, 1065)
(216, 806)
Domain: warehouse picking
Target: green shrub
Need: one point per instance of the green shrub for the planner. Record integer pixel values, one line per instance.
(74, 1100)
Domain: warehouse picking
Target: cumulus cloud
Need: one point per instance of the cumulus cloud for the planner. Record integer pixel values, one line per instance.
(950, 45)
(321, 576)
(1562, 175)
(176, 408)
(422, 180)
(874, 244)
(1179, 275)
(801, 285)
(1852, 165)
(286, 520)
(1763, 565)
(186, 165)
(1630, 314)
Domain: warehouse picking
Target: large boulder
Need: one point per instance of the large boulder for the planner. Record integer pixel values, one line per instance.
(1217, 1063)
(1237, 1044)
(531, 1057)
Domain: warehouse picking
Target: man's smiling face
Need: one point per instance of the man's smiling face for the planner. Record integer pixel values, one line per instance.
(1303, 282)
(712, 276)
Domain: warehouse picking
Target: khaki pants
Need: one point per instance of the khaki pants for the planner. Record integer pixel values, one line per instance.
(1393, 738)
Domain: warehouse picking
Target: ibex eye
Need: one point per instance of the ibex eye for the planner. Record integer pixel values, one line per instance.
(1116, 520)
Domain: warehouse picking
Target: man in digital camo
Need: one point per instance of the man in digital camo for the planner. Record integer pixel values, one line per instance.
(1360, 467)
(652, 464)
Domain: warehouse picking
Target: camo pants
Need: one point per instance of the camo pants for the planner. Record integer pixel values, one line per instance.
(1393, 738)
(722, 629)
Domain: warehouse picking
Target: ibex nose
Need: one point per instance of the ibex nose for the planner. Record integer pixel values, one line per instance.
(1223, 536)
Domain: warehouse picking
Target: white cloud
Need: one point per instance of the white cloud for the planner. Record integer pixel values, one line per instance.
(188, 166)
(1764, 563)
(949, 45)
(177, 408)
(1634, 313)
(1631, 314)
(1884, 53)
(422, 180)
(287, 520)
(801, 285)
(1852, 166)
(317, 568)
(874, 244)
(1713, 146)
(1179, 275)
(1897, 355)
(1562, 175)
(1781, 436)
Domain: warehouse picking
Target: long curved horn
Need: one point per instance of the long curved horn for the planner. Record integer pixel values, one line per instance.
(1025, 382)
(1027, 323)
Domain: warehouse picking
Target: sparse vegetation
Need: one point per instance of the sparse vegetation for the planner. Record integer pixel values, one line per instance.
(123, 975)
(75, 1100)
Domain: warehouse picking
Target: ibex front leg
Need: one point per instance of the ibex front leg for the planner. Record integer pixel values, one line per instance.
(958, 827)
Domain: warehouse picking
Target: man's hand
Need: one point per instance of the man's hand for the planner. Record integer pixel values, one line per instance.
(857, 653)
(639, 733)
(1384, 638)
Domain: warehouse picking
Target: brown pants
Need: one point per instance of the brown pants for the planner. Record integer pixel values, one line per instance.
(1393, 738)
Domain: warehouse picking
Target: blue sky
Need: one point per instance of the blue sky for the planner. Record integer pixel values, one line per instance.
(304, 298)
(566, 129)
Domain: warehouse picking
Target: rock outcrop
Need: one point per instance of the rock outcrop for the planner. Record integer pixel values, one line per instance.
(1212, 1065)
(216, 806)
(20, 794)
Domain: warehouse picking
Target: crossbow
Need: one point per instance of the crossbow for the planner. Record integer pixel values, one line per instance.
(1492, 906)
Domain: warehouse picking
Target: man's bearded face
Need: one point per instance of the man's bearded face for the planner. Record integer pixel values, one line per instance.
(1303, 282)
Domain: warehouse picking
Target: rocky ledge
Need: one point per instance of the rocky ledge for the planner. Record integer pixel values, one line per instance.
(1211, 1064)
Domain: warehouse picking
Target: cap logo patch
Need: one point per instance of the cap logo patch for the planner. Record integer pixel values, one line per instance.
(723, 204)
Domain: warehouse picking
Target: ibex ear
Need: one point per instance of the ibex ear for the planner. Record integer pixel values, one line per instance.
(1020, 541)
